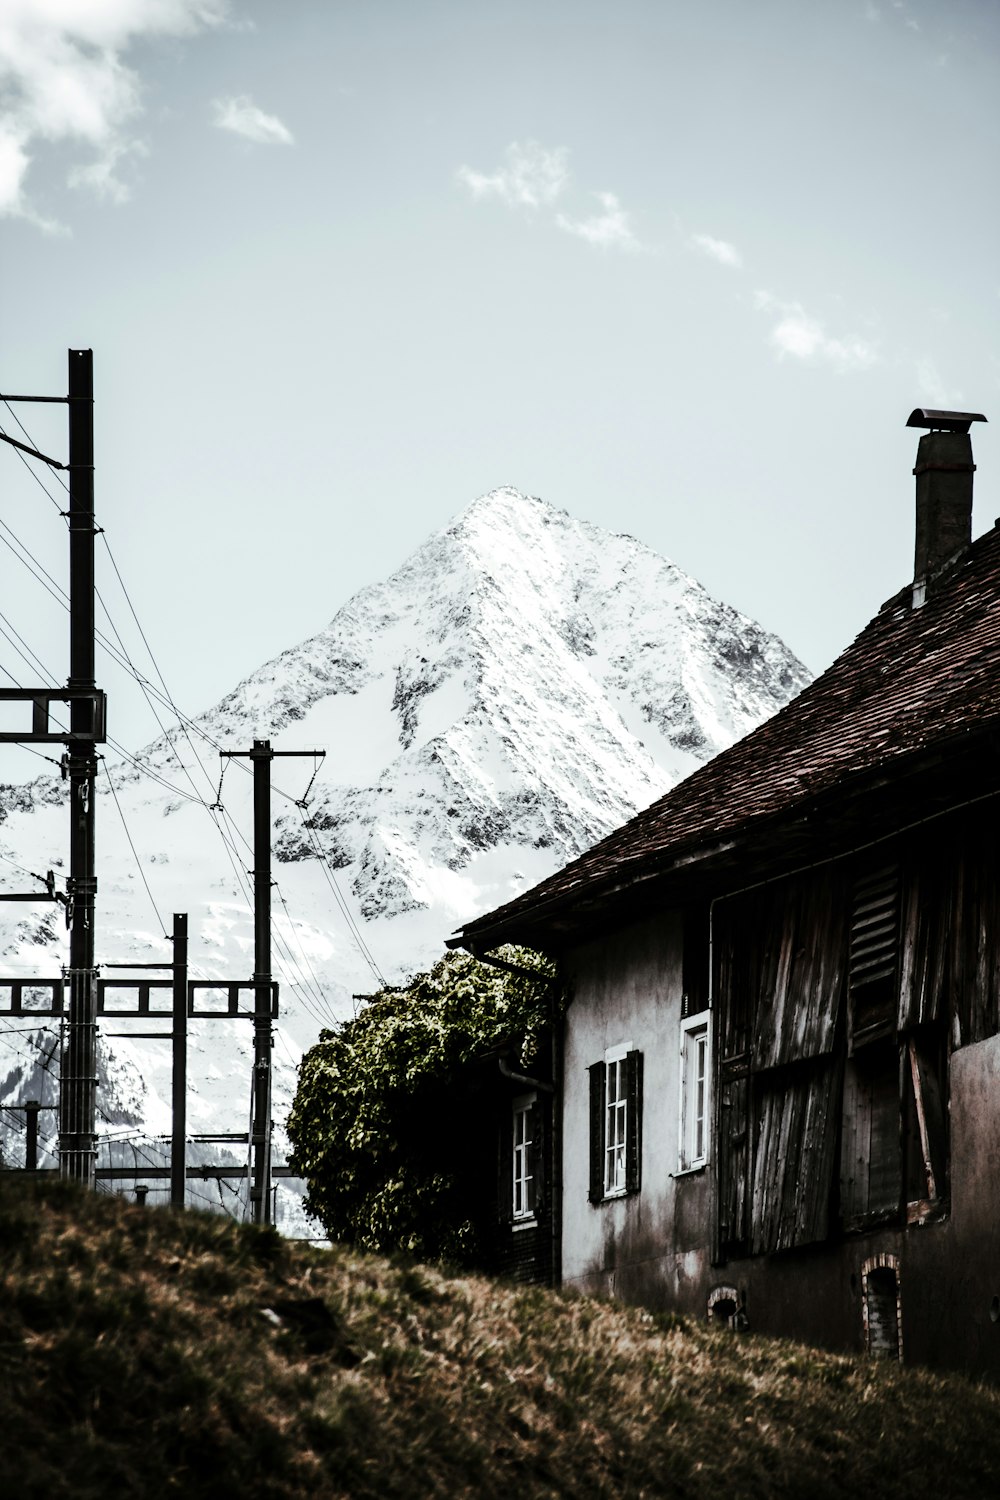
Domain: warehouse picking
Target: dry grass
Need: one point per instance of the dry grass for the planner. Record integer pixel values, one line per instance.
(148, 1355)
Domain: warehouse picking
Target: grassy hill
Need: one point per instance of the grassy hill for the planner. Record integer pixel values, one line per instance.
(146, 1354)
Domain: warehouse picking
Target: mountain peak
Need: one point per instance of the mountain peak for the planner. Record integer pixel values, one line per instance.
(519, 687)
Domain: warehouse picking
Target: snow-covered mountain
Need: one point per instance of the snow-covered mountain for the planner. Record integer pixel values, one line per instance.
(519, 687)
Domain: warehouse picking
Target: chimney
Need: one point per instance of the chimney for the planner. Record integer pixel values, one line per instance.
(944, 473)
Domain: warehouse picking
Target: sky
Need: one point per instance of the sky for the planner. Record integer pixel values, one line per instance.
(680, 269)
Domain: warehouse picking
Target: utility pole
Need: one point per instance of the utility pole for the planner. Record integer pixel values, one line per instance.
(260, 758)
(263, 1031)
(178, 1126)
(87, 714)
(179, 1006)
(31, 1135)
(78, 1090)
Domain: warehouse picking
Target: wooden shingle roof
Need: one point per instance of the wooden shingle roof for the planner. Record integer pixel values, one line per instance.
(915, 678)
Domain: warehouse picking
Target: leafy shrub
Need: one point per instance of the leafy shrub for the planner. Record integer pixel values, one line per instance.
(377, 1128)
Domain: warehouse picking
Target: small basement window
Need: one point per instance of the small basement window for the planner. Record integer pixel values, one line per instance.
(726, 1308)
(881, 1307)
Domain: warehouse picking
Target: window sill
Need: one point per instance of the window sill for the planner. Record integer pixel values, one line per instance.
(695, 1171)
(529, 1223)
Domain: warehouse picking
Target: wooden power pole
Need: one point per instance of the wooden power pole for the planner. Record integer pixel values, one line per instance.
(78, 1089)
(260, 758)
(87, 713)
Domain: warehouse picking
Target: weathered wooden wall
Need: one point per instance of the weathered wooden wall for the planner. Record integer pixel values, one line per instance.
(780, 958)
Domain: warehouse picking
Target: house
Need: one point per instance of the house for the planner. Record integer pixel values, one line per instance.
(507, 1121)
(777, 1080)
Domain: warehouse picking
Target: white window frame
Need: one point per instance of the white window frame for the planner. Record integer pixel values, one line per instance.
(615, 1131)
(521, 1175)
(694, 1135)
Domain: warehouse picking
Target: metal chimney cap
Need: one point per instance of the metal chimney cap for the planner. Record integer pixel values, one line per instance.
(943, 421)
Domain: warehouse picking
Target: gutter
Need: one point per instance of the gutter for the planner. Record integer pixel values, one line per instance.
(500, 963)
(529, 1083)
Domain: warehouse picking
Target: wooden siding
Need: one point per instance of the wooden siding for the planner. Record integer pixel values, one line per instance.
(779, 984)
(870, 1171)
(800, 940)
(794, 1156)
(951, 930)
(839, 994)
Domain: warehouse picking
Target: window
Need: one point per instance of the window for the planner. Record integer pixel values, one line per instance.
(615, 1110)
(728, 1307)
(524, 1180)
(694, 1093)
(894, 1137)
(880, 1307)
(615, 1131)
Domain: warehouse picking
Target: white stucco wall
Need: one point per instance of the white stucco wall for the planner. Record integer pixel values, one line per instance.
(625, 989)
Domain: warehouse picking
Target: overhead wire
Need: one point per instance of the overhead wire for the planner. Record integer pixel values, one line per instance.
(319, 1009)
(24, 871)
(24, 459)
(331, 879)
(120, 654)
(315, 987)
(30, 660)
(131, 844)
(149, 649)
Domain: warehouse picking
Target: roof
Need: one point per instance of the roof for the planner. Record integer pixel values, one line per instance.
(914, 680)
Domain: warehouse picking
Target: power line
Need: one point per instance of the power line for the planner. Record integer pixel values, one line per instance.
(131, 844)
(23, 457)
(30, 873)
(120, 654)
(35, 661)
(145, 642)
(338, 897)
(316, 987)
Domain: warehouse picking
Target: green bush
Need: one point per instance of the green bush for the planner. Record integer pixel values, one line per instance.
(376, 1126)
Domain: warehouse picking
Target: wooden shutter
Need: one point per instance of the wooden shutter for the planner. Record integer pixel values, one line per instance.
(538, 1156)
(598, 1085)
(633, 1121)
(794, 1159)
(694, 979)
(736, 964)
(733, 1156)
(871, 1167)
(874, 962)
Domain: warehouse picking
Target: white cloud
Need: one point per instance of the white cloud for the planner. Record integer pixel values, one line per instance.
(531, 176)
(609, 230)
(242, 117)
(100, 175)
(798, 335)
(534, 176)
(63, 79)
(720, 250)
(932, 390)
(901, 7)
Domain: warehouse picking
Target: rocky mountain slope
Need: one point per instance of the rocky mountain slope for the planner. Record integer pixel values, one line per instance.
(519, 687)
